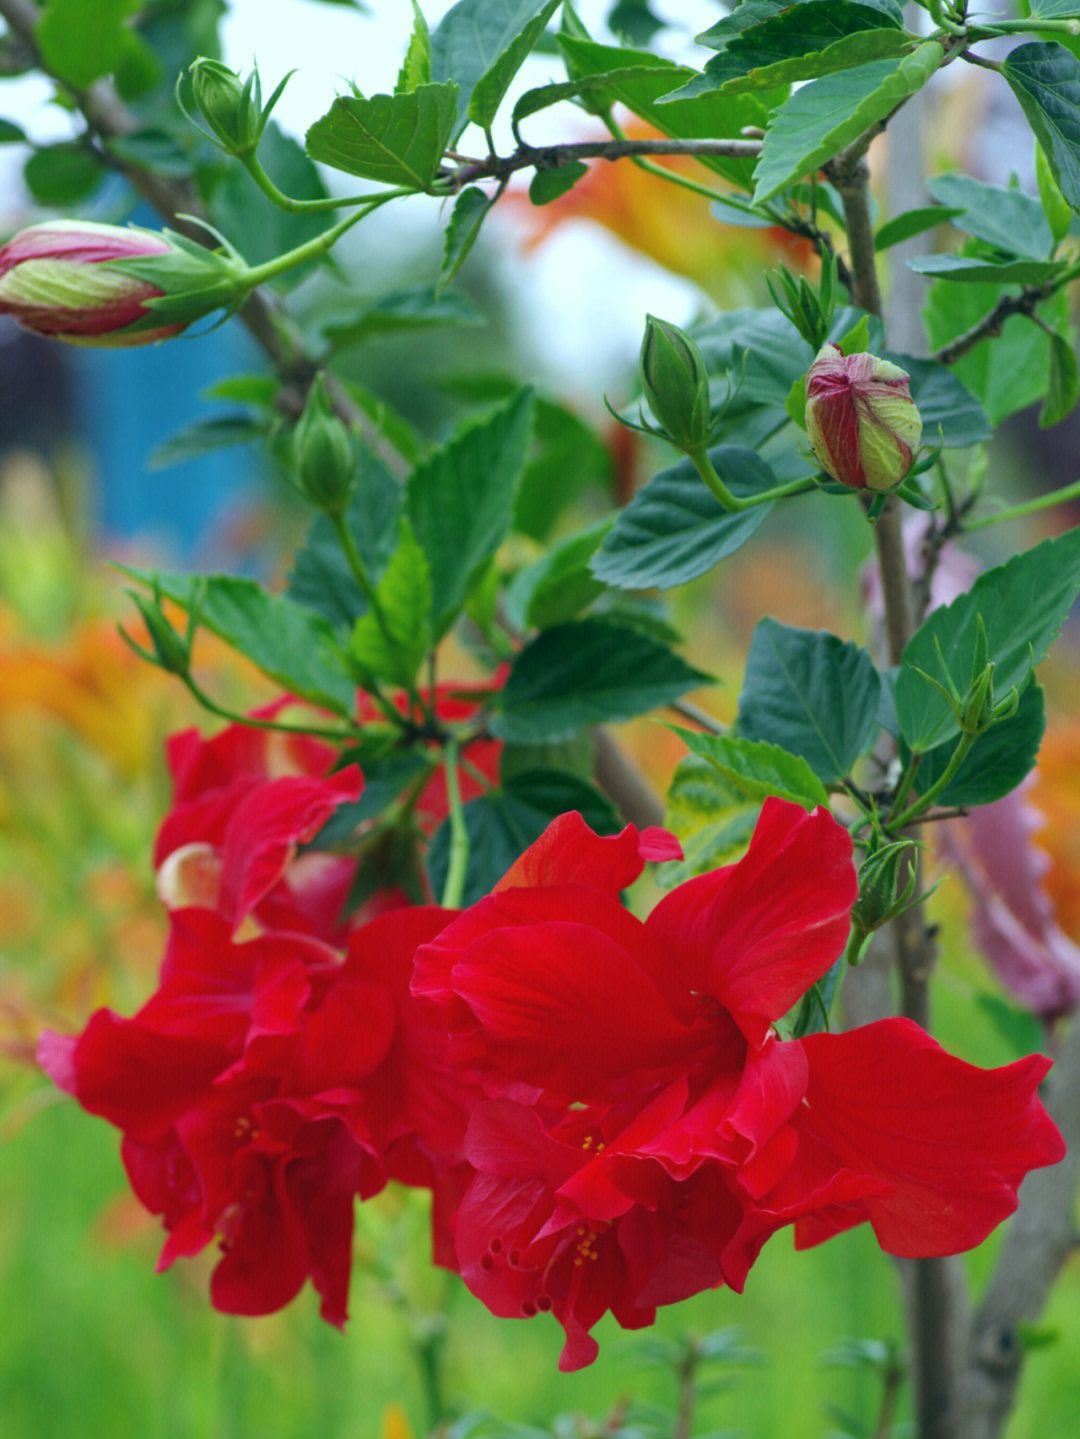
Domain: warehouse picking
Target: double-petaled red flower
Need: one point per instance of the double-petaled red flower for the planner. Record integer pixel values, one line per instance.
(265, 1087)
(647, 1130)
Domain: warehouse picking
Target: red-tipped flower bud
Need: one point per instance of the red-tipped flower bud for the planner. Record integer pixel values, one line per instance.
(92, 284)
(862, 422)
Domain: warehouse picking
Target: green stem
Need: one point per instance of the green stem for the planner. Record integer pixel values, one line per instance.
(454, 888)
(286, 202)
(906, 781)
(924, 801)
(337, 736)
(1029, 507)
(313, 249)
(720, 492)
(1032, 25)
(367, 589)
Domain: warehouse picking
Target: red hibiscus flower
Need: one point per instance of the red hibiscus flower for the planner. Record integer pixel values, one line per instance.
(260, 1093)
(655, 1039)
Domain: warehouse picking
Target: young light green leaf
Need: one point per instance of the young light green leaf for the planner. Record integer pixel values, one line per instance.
(757, 769)
(559, 585)
(460, 502)
(416, 67)
(469, 213)
(813, 694)
(711, 817)
(293, 645)
(591, 672)
(395, 139)
(479, 45)
(827, 114)
(392, 644)
(1064, 388)
(1020, 606)
(1045, 78)
(675, 529)
(1056, 208)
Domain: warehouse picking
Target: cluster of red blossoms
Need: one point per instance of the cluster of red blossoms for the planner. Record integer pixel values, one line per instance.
(601, 1106)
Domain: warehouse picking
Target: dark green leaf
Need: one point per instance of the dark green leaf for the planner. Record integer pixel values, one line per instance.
(559, 585)
(479, 44)
(966, 269)
(827, 114)
(996, 762)
(11, 134)
(634, 21)
(503, 823)
(80, 42)
(460, 502)
(598, 90)
(395, 139)
(587, 673)
(1045, 78)
(911, 223)
(321, 578)
(1064, 388)
(156, 150)
(402, 310)
(288, 642)
(203, 437)
(1005, 218)
(675, 529)
(1021, 605)
(567, 463)
(756, 769)
(62, 175)
(812, 694)
(548, 185)
(385, 777)
(392, 646)
(469, 212)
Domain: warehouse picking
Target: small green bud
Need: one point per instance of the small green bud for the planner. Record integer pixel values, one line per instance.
(171, 650)
(676, 385)
(977, 706)
(323, 454)
(231, 108)
(887, 883)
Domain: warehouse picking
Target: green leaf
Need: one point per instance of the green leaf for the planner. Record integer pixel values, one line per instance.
(634, 21)
(996, 763)
(646, 95)
(1064, 388)
(559, 585)
(568, 462)
(911, 223)
(403, 310)
(203, 437)
(394, 649)
(1054, 9)
(675, 529)
(710, 815)
(293, 645)
(756, 769)
(321, 578)
(503, 823)
(591, 672)
(1021, 605)
(62, 175)
(153, 149)
(827, 114)
(395, 139)
(1045, 78)
(951, 414)
(80, 42)
(469, 213)
(416, 67)
(1003, 217)
(491, 87)
(548, 185)
(967, 269)
(11, 134)
(1007, 372)
(598, 89)
(480, 44)
(803, 41)
(811, 693)
(460, 502)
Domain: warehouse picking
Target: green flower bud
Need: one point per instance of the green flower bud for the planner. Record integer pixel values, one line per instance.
(323, 454)
(863, 425)
(231, 108)
(676, 384)
(887, 880)
(171, 650)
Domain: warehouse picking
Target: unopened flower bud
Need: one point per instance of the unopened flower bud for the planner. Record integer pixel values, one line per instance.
(110, 285)
(887, 882)
(863, 425)
(323, 451)
(230, 107)
(676, 384)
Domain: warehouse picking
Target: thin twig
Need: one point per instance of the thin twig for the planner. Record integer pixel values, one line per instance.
(553, 157)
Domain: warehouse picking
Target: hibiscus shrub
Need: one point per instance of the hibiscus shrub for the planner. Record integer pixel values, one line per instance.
(401, 947)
